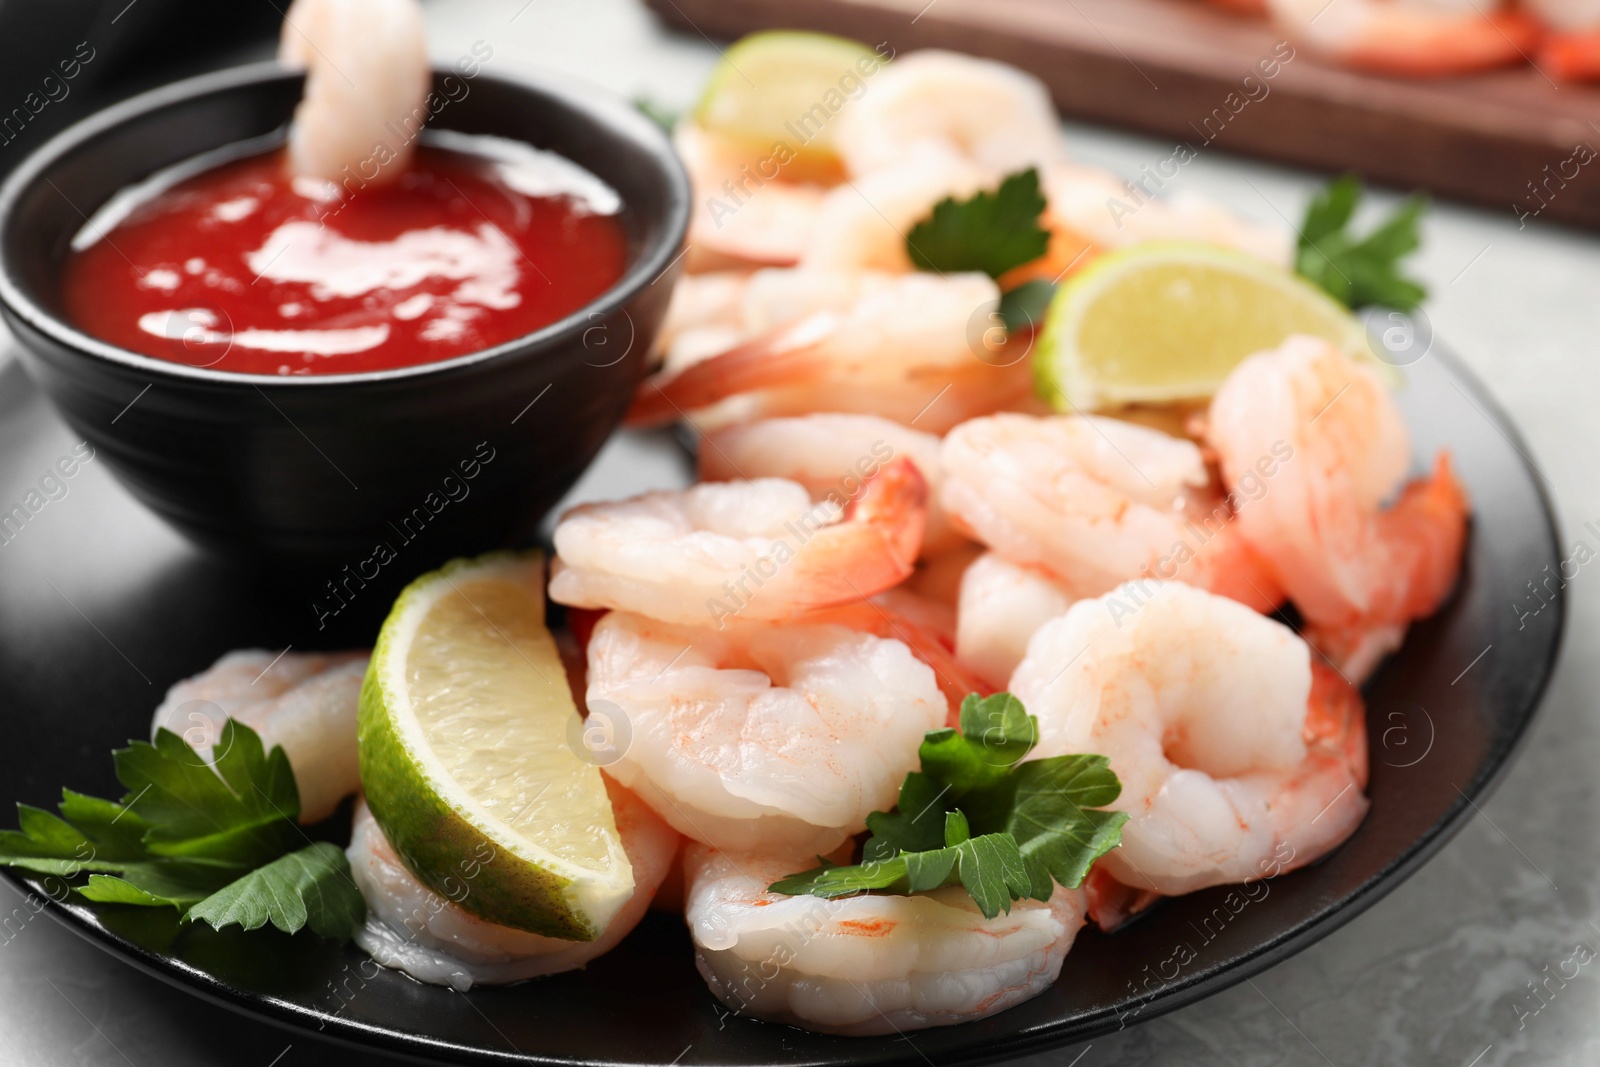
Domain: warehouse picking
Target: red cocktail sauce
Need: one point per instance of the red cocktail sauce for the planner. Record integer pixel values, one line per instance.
(242, 268)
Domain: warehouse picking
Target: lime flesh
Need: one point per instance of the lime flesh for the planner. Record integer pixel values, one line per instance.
(466, 763)
(786, 87)
(1168, 322)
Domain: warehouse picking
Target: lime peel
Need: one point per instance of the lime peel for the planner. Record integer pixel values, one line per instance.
(470, 774)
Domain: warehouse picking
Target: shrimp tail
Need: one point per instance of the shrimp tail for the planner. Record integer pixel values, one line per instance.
(1429, 525)
(882, 526)
(779, 357)
(1355, 651)
(1229, 567)
(1571, 56)
(894, 502)
(1112, 904)
(1336, 720)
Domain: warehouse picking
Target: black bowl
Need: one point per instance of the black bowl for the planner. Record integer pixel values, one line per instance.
(468, 453)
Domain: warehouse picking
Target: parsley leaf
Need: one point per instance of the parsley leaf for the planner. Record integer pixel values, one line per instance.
(212, 840)
(990, 867)
(310, 887)
(977, 816)
(991, 232)
(662, 116)
(1364, 272)
(241, 812)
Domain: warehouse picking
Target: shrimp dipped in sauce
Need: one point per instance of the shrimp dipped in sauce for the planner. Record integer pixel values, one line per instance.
(366, 64)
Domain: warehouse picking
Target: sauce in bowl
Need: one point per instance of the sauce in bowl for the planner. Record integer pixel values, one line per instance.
(241, 267)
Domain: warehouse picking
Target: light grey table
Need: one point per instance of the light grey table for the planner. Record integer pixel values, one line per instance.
(1437, 973)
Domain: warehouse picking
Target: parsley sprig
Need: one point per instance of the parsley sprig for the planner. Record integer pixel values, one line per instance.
(217, 844)
(976, 816)
(991, 232)
(1365, 271)
(996, 231)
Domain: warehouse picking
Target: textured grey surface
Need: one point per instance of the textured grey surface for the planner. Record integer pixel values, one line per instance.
(1441, 972)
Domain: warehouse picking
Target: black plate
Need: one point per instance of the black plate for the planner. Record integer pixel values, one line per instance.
(101, 608)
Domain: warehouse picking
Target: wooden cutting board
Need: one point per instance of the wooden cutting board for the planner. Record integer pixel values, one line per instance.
(1510, 140)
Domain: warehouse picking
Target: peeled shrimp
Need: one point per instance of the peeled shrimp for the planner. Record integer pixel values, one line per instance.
(1095, 501)
(1237, 759)
(1090, 210)
(1002, 605)
(864, 224)
(411, 928)
(703, 318)
(741, 215)
(869, 964)
(1353, 568)
(304, 701)
(924, 626)
(1417, 37)
(829, 455)
(991, 114)
(720, 310)
(367, 79)
(760, 736)
(914, 348)
(756, 550)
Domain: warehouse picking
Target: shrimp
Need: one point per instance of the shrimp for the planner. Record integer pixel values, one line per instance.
(1095, 501)
(869, 964)
(1423, 38)
(924, 626)
(1002, 605)
(743, 307)
(703, 318)
(938, 577)
(914, 348)
(760, 736)
(758, 550)
(741, 217)
(304, 701)
(411, 928)
(863, 224)
(367, 79)
(829, 455)
(1238, 759)
(1090, 211)
(1350, 566)
(991, 114)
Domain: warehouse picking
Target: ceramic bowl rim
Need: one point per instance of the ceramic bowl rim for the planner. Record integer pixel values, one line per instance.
(593, 105)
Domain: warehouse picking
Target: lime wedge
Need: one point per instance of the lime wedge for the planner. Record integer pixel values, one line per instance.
(465, 759)
(786, 86)
(1167, 321)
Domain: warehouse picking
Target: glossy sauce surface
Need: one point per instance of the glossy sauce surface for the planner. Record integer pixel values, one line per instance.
(243, 268)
